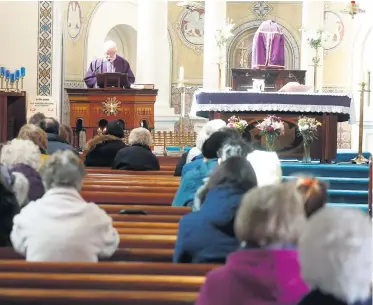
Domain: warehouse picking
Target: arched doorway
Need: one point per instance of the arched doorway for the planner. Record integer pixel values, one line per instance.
(240, 48)
(126, 39)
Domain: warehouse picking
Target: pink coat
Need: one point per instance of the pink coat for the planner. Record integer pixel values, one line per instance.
(255, 276)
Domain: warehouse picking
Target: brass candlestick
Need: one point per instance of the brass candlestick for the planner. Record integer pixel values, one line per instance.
(181, 86)
(360, 159)
(7, 84)
(17, 85)
(1, 82)
(368, 89)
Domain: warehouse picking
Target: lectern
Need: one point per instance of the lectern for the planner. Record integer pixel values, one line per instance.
(92, 109)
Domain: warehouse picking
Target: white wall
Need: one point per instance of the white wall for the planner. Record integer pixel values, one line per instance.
(361, 58)
(126, 39)
(106, 16)
(19, 40)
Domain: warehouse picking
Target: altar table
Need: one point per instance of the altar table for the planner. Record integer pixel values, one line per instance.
(327, 108)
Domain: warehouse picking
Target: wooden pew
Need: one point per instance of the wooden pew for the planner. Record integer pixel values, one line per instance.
(141, 224)
(133, 188)
(137, 173)
(147, 241)
(146, 218)
(123, 282)
(19, 296)
(107, 268)
(122, 254)
(150, 209)
(128, 198)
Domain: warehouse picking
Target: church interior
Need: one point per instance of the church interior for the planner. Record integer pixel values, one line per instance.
(152, 150)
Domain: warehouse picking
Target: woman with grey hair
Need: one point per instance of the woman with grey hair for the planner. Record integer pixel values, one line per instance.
(196, 152)
(23, 159)
(62, 226)
(335, 252)
(138, 156)
(265, 270)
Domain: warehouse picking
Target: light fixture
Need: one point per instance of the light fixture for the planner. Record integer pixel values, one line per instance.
(191, 5)
(353, 9)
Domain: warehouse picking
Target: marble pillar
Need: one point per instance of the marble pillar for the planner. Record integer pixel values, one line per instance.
(153, 58)
(57, 69)
(313, 19)
(215, 18)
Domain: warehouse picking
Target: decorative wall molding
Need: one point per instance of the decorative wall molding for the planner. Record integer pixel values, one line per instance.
(261, 9)
(74, 85)
(190, 28)
(45, 39)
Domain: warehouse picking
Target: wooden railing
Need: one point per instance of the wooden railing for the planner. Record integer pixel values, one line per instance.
(370, 191)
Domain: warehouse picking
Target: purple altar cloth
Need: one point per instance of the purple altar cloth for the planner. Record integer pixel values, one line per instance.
(236, 101)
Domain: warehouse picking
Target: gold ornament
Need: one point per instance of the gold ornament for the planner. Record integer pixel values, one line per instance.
(111, 106)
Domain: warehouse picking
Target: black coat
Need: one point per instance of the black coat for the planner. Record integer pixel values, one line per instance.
(180, 164)
(136, 157)
(102, 150)
(8, 209)
(317, 297)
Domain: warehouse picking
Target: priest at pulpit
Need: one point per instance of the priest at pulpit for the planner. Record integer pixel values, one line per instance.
(110, 62)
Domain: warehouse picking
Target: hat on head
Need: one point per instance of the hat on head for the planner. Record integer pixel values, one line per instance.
(115, 128)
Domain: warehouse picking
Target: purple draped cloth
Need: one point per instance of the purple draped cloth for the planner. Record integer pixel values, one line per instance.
(268, 50)
(101, 66)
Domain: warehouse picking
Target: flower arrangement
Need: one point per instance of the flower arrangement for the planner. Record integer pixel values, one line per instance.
(223, 34)
(308, 128)
(316, 39)
(236, 122)
(271, 127)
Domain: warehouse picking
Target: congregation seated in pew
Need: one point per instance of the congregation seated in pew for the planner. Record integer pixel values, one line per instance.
(195, 153)
(61, 226)
(335, 254)
(207, 235)
(102, 149)
(37, 136)
(193, 179)
(265, 270)
(23, 158)
(55, 142)
(9, 206)
(138, 156)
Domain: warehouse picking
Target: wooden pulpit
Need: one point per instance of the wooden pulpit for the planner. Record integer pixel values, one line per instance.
(92, 109)
(12, 114)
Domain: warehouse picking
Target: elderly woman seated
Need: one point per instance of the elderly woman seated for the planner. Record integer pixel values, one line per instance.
(36, 135)
(207, 235)
(61, 226)
(194, 178)
(195, 154)
(335, 252)
(138, 156)
(102, 149)
(265, 270)
(24, 157)
(9, 206)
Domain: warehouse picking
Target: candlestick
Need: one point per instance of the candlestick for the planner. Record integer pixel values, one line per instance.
(368, 87)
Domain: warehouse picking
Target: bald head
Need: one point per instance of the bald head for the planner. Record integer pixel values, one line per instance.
(110, 50)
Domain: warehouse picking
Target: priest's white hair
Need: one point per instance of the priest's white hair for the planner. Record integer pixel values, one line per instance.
(20, 151)
(335, 252)
(109, 44)
(206, 131)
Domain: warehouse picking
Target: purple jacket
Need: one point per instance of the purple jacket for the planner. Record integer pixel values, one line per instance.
(36, 188)
(255, 277)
